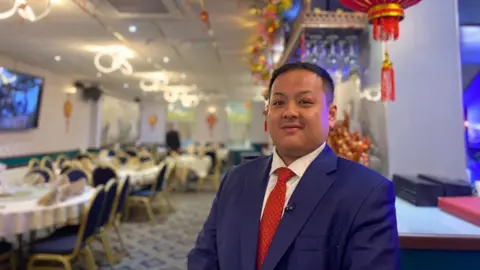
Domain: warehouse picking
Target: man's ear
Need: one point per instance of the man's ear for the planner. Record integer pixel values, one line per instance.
(332, 115)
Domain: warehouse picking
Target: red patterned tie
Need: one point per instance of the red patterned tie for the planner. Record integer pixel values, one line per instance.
(272, 214)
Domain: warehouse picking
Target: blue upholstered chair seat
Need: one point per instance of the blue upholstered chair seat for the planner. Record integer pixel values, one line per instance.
(142, 192)
(66, 230)
(5, 247)
(60, 245)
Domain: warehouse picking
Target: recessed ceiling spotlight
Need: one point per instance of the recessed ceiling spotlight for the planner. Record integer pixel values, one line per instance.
(99, 74)
(132, 29)
(183, 75)
(58, 58)
(125, 85)
(166, 59)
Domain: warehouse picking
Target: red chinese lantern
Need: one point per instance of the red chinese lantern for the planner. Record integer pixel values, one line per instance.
(211, 121)
(152, 121)
(67, 113)
(204, 16)
(385, 16)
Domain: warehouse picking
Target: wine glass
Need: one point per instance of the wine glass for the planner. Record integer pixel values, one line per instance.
(352, 56)
(331, 58)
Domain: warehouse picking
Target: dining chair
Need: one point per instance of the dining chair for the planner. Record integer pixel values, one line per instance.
(75, 174)
(33, 163)
(102, 174)
(47, 174)
(146, 197)
(108, 207)
(66, 247)
(119, 206)
(7, 256)
(47, 162)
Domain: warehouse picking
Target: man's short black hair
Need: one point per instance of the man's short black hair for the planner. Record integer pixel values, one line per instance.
(319, 71)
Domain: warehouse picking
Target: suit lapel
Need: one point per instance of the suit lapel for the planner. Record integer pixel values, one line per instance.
(310, 190)
(252, 202)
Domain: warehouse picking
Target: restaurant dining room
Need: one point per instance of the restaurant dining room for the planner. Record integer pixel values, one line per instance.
(120, 121)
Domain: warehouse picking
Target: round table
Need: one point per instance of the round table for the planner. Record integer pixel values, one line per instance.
(141, 177)
(21, 213)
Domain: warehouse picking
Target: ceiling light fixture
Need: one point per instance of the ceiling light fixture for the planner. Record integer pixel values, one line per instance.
(25, 11)
(166, 59)
(183, 76)
(132, 29)
(119, 62)
(154, 84)
(58, 58)
(125, 85)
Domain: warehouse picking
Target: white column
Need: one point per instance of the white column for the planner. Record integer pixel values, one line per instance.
(256, 127)
(425, 123)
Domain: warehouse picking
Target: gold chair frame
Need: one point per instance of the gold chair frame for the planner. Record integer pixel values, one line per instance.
(66, 260)
(147, 202)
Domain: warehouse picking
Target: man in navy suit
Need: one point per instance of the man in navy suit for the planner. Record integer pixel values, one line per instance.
(302, 208)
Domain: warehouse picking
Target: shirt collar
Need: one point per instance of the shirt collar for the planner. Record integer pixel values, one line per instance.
(300, 165)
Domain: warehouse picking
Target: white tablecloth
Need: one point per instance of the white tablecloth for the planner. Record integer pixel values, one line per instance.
(139, 178)
(199, 165)
(23, 214)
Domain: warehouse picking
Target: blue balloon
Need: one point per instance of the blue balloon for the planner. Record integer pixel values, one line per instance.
(292, 13)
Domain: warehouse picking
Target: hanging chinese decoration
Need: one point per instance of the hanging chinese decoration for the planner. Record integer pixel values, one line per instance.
(385, 16)
(260, 53)
(67, 112)
(152, 121)
(204, 16)
(348, 144)
(211, 121)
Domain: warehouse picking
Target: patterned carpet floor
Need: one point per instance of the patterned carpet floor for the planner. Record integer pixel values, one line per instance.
(160, 246)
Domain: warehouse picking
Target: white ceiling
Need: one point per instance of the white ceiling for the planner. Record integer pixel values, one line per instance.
(214, 63)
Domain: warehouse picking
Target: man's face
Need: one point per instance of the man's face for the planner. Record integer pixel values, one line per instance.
(298, 114)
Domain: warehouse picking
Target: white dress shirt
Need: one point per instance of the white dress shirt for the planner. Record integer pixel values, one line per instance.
(299, 167)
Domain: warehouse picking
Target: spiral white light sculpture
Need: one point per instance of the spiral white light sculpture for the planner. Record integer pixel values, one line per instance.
(171, 97)
(119, 62)
(189, 100)
(155, 84)
(25, 11)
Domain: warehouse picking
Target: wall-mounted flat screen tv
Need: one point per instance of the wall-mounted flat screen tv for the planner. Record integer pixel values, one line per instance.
(20, 99)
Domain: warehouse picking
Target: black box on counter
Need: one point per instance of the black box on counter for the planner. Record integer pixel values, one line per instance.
(417, 191)
(451, 188)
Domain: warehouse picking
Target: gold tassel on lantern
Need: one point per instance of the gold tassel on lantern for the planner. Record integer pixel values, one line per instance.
(67, 113)
(387, 80)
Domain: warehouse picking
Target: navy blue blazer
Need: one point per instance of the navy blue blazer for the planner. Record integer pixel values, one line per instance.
(342, 217)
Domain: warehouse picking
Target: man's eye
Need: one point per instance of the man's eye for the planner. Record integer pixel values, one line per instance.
(305, 102)
(278, 102)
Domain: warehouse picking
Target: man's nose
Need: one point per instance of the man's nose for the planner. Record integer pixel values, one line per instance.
(291, 110)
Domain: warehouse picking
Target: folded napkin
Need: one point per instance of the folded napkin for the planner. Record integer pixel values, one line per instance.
(71, 190)
(49, 198)
(34, 179)
(62, 189)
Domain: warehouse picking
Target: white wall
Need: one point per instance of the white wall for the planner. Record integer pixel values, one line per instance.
(157, 134)
(425, 124)
(257, 132)
(51, 135)
(201, 131)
